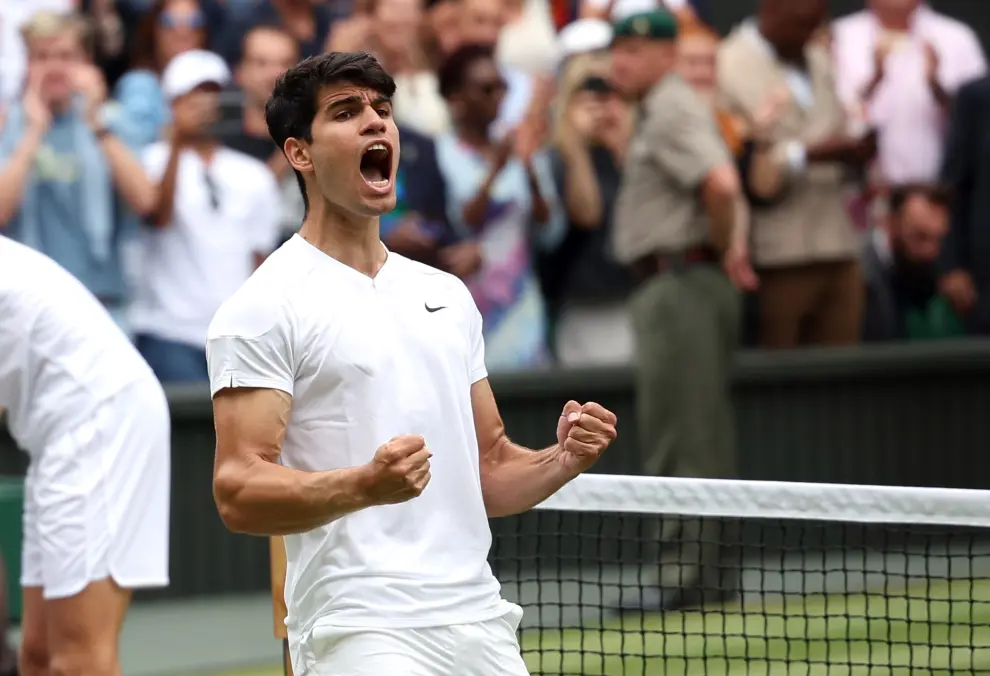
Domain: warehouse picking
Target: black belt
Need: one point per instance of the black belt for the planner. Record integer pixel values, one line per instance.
(660, 262)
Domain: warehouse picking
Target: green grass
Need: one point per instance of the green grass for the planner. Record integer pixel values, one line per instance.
(945, 629)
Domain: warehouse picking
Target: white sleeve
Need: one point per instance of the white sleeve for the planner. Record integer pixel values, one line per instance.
(477, 370)
(154, 159)
(250, 344)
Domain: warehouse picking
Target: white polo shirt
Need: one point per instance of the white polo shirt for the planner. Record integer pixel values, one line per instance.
(366, 360)
(226, 213)
(61, 354)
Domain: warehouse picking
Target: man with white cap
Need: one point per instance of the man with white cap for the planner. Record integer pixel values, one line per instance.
(216, 218)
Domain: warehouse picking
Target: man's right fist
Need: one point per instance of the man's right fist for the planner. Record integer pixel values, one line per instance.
(400, 470)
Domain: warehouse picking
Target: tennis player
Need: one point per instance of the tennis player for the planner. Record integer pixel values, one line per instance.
(95, 424)
(354, 416)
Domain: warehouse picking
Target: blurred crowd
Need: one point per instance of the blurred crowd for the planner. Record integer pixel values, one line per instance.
(807, 180)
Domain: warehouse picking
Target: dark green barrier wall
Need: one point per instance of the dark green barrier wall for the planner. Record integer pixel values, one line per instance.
(913, 415)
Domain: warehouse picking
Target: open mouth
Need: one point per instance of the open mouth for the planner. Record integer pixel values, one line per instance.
(376, 165)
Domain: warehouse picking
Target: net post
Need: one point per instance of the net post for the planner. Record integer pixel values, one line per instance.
(279, 611)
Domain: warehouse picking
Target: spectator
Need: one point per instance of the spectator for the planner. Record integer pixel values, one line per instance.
(308, 21)
(418, 226)
(441, 29)
(901, 61)
(216, 217)
(586, 288)
(268, 52)
(903, 302)
(169, 28)
(965, 258)
(68, 179)
(481, 23)
(677, 208)
(501, 193)
(13, 56)
(526, 41)
(394, 33)
(803, 242)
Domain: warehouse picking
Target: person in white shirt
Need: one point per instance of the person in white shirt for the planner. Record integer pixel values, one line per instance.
(94, 421)
(354, 415)
(218, 214)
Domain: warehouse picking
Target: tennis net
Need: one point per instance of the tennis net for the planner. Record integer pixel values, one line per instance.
(623, 576)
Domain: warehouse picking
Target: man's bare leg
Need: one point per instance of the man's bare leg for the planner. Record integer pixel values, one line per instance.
(34, 656)
(84, 630)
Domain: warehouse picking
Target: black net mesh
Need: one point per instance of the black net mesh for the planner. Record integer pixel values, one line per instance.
(628, 594)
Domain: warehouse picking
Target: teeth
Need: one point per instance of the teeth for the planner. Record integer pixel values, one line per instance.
(378, 146)
(379, 184)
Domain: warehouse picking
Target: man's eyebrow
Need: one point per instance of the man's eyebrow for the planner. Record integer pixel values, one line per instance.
(352, 100)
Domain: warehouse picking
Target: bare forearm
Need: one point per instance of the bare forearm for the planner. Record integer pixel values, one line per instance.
(721, 209)
(264, 498)
(515, 479)
(14, 175)
(582, 196)
(476, 208)
(129, 176)
(161, 213)
(540, 209)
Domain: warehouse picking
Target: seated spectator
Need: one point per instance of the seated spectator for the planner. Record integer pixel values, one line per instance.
(903, 302)
(68, 180)
(308, 21)
(586, 288)
(418, 227)
(169, 28)
(500, 193)
(215, 220)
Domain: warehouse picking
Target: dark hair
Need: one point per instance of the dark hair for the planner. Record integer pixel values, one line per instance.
(936, 193)
(453, 71)
(292, 107)
(144, 42)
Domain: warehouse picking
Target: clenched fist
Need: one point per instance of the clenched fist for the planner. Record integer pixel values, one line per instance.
(583, 433)
(400, 470)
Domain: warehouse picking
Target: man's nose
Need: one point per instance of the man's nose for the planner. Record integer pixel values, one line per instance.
(372, 122)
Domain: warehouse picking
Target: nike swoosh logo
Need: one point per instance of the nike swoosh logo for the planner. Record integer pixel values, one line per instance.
(433, 309)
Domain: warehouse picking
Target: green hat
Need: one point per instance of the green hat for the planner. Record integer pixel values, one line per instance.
(656, 24)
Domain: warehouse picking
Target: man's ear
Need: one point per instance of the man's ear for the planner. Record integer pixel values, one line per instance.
(297, 153)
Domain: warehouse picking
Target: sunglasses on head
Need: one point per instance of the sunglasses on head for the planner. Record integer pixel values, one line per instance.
(195, 20)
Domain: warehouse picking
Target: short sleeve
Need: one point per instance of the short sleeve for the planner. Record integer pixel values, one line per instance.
(250, 344)
(477, 369)
(685, 140)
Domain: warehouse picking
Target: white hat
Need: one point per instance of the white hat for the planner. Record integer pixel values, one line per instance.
(188, 70)
(581, 36)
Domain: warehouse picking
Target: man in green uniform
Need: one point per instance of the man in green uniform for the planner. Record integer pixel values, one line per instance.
(678, 208)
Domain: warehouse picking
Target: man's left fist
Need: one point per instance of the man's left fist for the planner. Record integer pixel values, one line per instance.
(583, 432)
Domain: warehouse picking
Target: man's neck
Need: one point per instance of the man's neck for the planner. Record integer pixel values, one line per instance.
(474, 135)
(899, 20)
(254, 122)
(352, 240)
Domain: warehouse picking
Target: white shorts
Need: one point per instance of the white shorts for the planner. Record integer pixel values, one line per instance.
(97, 499)
(479, 649)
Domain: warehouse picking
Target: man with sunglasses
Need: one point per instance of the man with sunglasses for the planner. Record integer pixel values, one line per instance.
(216, 217)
